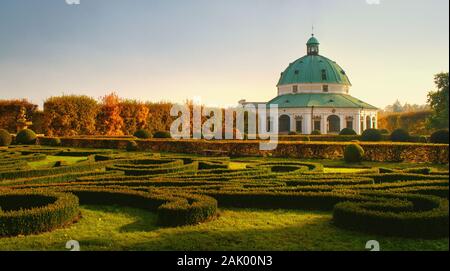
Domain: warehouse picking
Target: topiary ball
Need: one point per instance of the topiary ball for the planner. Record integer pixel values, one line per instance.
(316, 132)
(439, 137)
(143, 134)
(400, 135)
(5, 138)
(422, 139)
(353, 153)
(162, 134)
(347, 131)
(26, 137)
(132, 146)
(384, 131)
(54, 141)
(371, 135)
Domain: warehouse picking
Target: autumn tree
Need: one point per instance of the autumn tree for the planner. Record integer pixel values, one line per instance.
(109, 119)
(69, 115)
(135, 116)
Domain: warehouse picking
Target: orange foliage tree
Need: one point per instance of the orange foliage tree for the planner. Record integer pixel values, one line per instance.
(135, 116)
(109, 119)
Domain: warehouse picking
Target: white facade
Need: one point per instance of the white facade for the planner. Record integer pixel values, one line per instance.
(306, 120)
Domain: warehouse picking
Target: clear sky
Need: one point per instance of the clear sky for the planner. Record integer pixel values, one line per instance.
(219, 50)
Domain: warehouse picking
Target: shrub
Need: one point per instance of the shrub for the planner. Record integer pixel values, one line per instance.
(26, 137)
(440, 136)
(132, 146)
(5, 138)
(162, 134)
(293, 133)
(421, 170)
(353, 153)
(29, 212)
(316, 132)
(384, 131)
(54, 141)
(347, 131)
(371, 135)
(143, 134)
(400, 215)
(400, 135)
(171, 210)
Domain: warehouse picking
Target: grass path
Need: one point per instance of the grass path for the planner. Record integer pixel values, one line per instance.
(118, 228)
(51, 159)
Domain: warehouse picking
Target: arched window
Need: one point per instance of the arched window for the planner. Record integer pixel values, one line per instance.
(368, 122)
(333, 124)
(284, 124)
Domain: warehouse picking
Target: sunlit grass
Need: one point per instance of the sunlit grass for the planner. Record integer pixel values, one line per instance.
(237, 166)
(51, 159)
(343, 170)
(118, 228)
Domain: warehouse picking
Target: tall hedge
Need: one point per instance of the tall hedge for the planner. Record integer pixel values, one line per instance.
(70, 115)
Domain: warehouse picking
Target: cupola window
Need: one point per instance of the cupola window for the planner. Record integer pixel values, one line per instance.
(324, 75)
(325, 88)
(295, 89)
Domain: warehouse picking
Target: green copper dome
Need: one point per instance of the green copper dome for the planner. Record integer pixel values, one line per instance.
(314, 68)
(313, 41)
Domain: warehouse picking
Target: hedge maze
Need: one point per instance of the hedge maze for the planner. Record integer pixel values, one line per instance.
(186, 189)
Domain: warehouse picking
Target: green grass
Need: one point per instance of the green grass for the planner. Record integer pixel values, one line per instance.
(51, 159)
(118, 228)
(237, 166)
(342, 170)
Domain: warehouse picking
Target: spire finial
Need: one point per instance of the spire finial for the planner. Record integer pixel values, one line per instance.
(312, 30)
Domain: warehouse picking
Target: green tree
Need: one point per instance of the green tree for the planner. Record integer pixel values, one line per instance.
(438, 101)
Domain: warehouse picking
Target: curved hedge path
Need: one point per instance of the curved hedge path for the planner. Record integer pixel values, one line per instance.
(183, 190)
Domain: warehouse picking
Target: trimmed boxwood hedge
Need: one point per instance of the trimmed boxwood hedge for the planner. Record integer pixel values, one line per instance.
(440, 136)
(187, 189)
(26, 212)
(371, 135)
(26, 137)
(5, 138)
(172, 209)
(143, 134)
(418, 217)
(347, 131)
(400, 135)
(353, 153)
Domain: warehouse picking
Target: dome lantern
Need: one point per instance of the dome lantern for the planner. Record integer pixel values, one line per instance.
(312, 46)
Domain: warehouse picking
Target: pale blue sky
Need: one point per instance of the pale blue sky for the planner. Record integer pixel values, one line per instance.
(220, 50)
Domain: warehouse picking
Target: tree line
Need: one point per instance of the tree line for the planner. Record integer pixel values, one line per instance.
(71, 115)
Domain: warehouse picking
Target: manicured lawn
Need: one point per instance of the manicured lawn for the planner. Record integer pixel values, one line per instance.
(119, 228)
(342, 170)
(51, 159)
